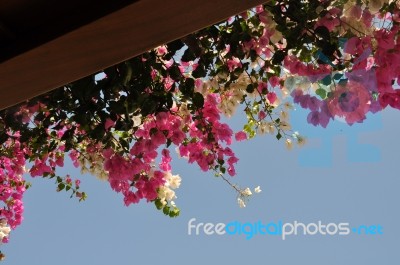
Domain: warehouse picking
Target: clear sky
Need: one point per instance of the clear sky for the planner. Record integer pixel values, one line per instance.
(345, 174)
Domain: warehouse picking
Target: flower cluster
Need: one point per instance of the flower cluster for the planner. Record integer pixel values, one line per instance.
(357, 74)
(12, 185)
(244, 195)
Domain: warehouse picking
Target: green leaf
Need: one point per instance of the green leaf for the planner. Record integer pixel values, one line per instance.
(329, 49)
(187, 88)
(327, 80)
(124, 143)
(61, 186)
(174, 72)
(198, 100)
(174, 212)
(175, 45)
(200, 71)
(321, 93)
(338, 76)
(323, 32)
(250, 88)
(278, 57)
(166, 210)
(222, 169)
(189, 82)
(158, 204)
(247, 128)
(375, 95)
(252, 134)
(188, 55)
(279, 136)
(343, 82)
(169, 142)
(322, 57)
(83, 196)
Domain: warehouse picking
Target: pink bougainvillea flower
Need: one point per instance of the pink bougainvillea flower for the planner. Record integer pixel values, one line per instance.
(109, 123)
(168, 83)
(351, 102)
(318, 118)
(40, 168)
(233, 64)
(271, 96)
(240, 136)
(162, 50)
(274, 81)
(391, 99)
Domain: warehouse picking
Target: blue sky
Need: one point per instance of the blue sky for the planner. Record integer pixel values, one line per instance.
(345, 174)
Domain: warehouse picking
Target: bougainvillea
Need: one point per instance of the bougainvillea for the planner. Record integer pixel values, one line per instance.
(338, 59)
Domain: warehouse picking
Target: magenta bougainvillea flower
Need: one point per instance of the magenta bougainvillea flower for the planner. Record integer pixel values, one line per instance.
(351, 102)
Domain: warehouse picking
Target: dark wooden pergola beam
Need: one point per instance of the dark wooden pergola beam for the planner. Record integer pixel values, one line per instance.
(106, 41)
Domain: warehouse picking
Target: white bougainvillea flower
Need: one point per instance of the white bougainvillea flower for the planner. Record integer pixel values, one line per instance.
(247, 192)
(289, 144)
(241, 203)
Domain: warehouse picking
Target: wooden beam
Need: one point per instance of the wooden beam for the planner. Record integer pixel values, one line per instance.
(107, 41)
(29, 24)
